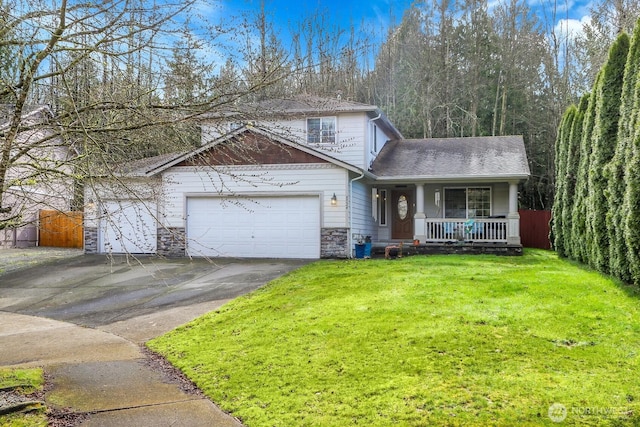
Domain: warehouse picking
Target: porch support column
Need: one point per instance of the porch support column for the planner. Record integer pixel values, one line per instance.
(419, 216)
(513, 219)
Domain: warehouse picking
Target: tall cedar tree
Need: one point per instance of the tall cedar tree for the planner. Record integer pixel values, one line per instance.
(579, 210)
(631, 204)
(562, 145)
(609, 92)
(631, 207)
(570, 177)
(615, 170)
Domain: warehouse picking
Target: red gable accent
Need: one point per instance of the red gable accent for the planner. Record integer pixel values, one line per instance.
(250, 149)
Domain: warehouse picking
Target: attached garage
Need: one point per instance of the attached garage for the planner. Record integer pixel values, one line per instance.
(254, 227)
(128, 227)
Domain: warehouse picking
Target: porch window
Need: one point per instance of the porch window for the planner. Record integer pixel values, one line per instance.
(470, 202)
(382, 205)
(321, 130)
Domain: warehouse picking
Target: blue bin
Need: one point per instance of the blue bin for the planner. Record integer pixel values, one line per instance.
(360, 250)
(367, 250)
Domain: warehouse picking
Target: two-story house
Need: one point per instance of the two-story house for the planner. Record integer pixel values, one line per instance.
(307, 178)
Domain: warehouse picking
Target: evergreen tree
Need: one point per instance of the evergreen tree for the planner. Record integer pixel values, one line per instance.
(615, 170)
(609, 90)
(570, 177)
(631, 201)
(579, 207)
(631, 209)
(561, 150)
(187, 78)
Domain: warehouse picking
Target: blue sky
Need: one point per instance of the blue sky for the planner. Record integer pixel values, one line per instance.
(374, 15)
(377, 15)
(370, 17)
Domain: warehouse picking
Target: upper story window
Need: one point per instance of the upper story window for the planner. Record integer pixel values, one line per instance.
(321, 130)
(375, 139)
(234, 126)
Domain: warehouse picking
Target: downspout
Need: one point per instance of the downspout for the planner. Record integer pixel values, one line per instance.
(350, 237)
(358, 178)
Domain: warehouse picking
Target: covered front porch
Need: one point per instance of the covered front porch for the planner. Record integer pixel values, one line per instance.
(447, 217)
(478, 222)
(449, 194)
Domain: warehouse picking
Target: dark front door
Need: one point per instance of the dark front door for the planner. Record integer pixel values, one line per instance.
(402, 214)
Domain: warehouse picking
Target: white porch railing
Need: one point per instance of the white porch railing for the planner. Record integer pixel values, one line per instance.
(477, 230)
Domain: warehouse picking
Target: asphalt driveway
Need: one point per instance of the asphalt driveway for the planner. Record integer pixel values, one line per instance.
(83, 319)
(94, 290)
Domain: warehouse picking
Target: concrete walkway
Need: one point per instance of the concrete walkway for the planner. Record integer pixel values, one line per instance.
(102, 374)
(100, 368)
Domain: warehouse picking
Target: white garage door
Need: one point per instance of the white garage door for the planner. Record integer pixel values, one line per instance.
(128, 227)
(259, 227)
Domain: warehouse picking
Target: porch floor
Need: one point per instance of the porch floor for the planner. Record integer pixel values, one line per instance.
(447, 248)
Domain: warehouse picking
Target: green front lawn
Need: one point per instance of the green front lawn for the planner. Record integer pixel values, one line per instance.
(23, 382)
(438, 340)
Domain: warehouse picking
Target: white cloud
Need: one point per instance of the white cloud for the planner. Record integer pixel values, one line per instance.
(571, 28)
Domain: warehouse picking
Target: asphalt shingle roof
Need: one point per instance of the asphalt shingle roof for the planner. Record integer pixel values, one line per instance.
(298, 106)
(31, 114)
(309, 104)
(143, 166)
(453, 158)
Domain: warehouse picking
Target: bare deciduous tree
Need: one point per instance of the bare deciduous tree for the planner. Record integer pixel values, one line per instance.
(116, 93)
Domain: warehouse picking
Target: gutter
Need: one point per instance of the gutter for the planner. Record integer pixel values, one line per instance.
(452, 178)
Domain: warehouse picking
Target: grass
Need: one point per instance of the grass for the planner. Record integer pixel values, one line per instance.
(25, 382)
(440, 340)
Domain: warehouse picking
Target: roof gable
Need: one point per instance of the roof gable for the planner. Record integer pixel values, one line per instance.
(246, 146)
(453, 158)
(250, 148)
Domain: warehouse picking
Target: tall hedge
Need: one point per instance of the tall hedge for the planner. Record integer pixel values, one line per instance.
(579, 249)
(570, 178)
(597, 217)
(561, 149)
(615, 171)
(631, 207)
(609, 91)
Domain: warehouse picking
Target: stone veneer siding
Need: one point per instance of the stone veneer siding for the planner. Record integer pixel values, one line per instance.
(334, 242)
(172, 241)
(91, 240)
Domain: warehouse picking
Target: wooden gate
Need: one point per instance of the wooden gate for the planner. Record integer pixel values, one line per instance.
(61, 229)
(534, 229)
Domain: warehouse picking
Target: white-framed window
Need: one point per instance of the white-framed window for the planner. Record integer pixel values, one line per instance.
(235, 126)
(382, 207)
(375, 139)
(467, 202)
(321, 130)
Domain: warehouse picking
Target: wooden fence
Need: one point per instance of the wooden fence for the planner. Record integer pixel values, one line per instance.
(61, 229)
(534, 229)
